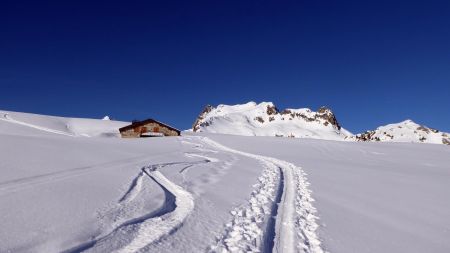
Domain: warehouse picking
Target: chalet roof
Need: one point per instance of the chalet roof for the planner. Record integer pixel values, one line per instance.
(141, 123)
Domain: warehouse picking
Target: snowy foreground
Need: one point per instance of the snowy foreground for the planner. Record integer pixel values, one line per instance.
(62, 191)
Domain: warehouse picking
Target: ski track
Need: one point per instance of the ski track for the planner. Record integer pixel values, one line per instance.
(295, 214)
(206, 158)
(8, 118)
(20, 184)
(152, 227)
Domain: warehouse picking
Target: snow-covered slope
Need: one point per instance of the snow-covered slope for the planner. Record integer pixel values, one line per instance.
(12, 122)
(405, 131)
(265, 119)
(370, 197)
(65, 194)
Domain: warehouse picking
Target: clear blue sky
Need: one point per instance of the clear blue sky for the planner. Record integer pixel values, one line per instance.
(372, 62)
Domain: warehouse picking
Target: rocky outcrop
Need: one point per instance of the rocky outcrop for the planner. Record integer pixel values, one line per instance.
(323, 113)
(272, 110)
(367, 136)
(198, 122)
(328, 116)
(445, 141)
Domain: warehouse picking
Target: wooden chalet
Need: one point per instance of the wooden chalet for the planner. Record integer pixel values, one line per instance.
(148, 128)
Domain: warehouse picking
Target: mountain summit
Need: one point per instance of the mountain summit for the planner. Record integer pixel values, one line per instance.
(405, 131)
(265, 119)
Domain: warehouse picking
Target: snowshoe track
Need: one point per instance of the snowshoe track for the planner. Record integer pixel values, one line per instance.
(295, 219)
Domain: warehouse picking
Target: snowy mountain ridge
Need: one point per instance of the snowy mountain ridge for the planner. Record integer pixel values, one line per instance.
(264, 119)
(405, 131)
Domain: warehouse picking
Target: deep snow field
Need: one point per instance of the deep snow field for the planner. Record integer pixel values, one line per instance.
(70, 185)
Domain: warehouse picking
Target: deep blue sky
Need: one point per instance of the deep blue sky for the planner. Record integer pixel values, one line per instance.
(372, 62)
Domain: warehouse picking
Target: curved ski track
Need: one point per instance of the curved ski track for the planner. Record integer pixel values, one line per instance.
(149, 228)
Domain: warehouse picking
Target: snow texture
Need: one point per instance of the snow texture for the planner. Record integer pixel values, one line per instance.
(63, 192)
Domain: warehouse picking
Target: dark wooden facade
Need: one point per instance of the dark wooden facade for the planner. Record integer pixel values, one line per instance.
(148, 128)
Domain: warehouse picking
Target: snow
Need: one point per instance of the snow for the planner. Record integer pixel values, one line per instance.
(59, 125)
(409, 131)
(370, 197)
(245, 233)
(63, 192)
(242, 119)
(252, 119)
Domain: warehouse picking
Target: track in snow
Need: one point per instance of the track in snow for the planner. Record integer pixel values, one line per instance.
(8, 118)
(135, 234)
(271, 227)
(294, 222)
(24, 183)
(153, 229)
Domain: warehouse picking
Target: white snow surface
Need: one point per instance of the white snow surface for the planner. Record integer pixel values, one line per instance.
(58, 125)
(252, 119)
(63, 192)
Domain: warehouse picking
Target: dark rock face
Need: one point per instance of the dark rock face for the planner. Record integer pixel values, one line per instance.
(272, 110)
(446, 141)
(260, 119)
(201, 116)
(324, 109)
(367, 136)
(426, 130)
(329, 116)
(285, 111)
(323, 113)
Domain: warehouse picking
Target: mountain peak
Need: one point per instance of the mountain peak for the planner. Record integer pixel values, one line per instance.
(405, 131)
(265, 119)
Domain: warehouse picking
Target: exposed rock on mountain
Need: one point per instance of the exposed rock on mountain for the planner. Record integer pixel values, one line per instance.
(198, 122)
(265, 119)
(406, 131)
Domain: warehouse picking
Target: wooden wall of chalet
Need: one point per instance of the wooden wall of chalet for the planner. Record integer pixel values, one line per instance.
(149, 127)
